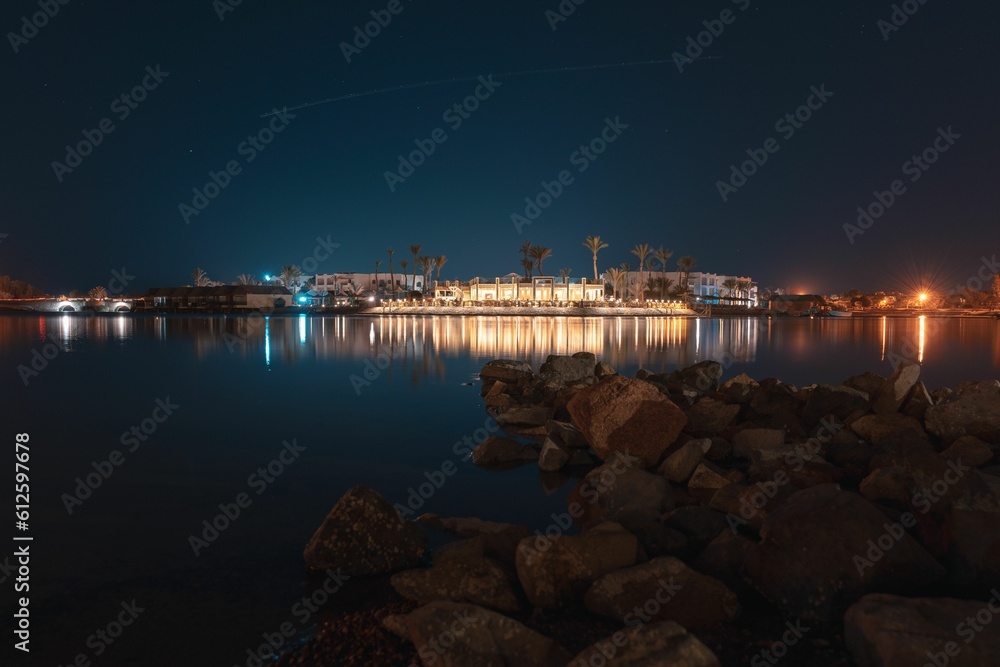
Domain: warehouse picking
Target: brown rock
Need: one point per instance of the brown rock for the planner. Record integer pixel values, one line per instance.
(893, 393)
(710, 417)
(970, 450)
(678, 466)
(560, 568)
(820, 553)
(479, 581)
(665, 589)
(708, 476)
(621, 414)
(450, 634)
(554, 455)
(497, 450)
(894, 428)
(755, 439)
(663, 643)
(889, 631)
(363, 535)
(974, 410)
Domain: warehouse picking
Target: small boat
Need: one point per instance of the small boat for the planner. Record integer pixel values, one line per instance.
(839, 313)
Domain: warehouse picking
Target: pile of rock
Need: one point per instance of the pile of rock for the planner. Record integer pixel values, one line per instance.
(872, 506)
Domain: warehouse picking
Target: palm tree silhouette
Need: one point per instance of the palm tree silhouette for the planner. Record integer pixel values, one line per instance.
(594, 244)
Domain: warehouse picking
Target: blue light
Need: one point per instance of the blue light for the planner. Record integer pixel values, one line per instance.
(268, 277)
(302, 299)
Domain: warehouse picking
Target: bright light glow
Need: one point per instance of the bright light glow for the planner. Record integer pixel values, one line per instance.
(267, 277)
(922, 297)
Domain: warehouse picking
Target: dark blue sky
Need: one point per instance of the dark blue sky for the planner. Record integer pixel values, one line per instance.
(324, 174)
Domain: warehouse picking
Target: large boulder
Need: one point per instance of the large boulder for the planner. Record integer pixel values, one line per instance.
(514, 373)
(560, 568)
(751, 440)
(678, 466)
(450, 634)
(893, 429)
(824, 548)
(475, 580)
(363, 535)
(973, 410)
(561, 370)
(626, 415)
(662, 589)
(554, 455)
(889, 631)
(525, 415)
(710, 417)
(840, 401)
(894, 391)
(482, 538)
(662, 643)
(497, 450)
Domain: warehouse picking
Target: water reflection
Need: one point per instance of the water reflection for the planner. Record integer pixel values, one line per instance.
(658, 344)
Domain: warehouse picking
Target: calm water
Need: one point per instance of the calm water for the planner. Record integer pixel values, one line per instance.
(243, 386)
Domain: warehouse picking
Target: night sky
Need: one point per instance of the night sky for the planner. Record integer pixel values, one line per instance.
(323, 176)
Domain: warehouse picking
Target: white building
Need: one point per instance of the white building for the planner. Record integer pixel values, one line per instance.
(706, 286)
(339, 283)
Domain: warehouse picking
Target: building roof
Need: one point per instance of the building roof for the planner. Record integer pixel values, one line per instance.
(218, 290)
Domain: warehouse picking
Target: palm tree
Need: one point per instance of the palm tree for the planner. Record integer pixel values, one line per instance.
(540, 254)
(392, 275)
(528, 265)
(415, 250)
(425, 263)
(564, 274)
(616, 276)
(98, 294)
(642, 251)
(663, 256)
(378, 262)
(525, 250)
(594, 244)
(246, 279)
(685, 264)
(289, 277)
(404, 263)
(439, 263)
(625, 282)
(731, 286)
(200, 277)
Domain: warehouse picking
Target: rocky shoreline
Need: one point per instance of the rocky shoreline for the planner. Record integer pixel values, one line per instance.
(714, 523)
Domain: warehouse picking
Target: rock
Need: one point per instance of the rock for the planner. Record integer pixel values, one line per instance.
(720, 450)
(741, 380)
(561, 568)
(973, 546)
(621, 414)
(819, 553)
(497, 396)
(566, 370)
(450, 634)
(515, 373)
(710, 417)
(889, 631)
(662, 643)
(662, 589)
(568, 435)
(970, 450)
(917, 402)
(363, 535)
(475, 580)
(483, 538)
(708, 476)
(534, 415)
(553, 456)
(975, 410)
(396, 624)
(892, 429)
(702, 378)
(867, 383)
(724, 557)
(700, 525)
(679, 465)
(839, 401)
(603, 370)
(755, 439)
(894, 391)
(497, 450)
(580, 457)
